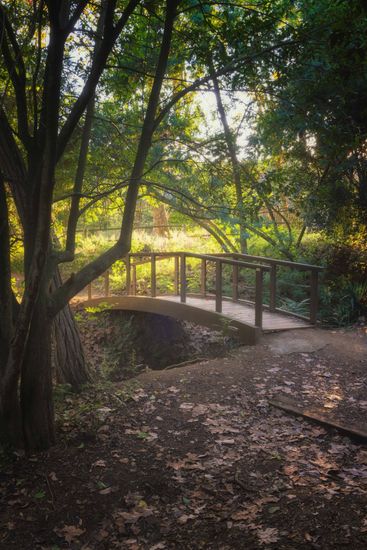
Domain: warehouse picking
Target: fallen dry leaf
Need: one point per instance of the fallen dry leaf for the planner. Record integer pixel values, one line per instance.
(99, 463)
(107, 490)
(70, 532)
(182, 520)
(268, 535)
(361, 457)
(134, 516)
(248, 513)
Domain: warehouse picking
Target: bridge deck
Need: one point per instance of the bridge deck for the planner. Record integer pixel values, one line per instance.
(237, 317)
(244, 313)
(245, 319)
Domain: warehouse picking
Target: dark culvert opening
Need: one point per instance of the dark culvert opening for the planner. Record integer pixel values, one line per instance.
(136, 341)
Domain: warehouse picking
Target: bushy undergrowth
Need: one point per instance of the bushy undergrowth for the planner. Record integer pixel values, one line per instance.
(343, 283)
(343, 289)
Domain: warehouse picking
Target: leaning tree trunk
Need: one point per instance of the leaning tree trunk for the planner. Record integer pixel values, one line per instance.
(70, 365)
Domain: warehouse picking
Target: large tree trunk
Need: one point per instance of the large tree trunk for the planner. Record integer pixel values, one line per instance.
(10, 416)
(36, 382)
(69, 355)
(70, 365)
(10, 425)
(6, 313)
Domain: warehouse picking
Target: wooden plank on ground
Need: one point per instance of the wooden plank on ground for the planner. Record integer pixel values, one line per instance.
(354, 432)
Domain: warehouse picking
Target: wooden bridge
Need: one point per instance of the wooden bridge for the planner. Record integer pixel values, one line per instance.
(217, 301)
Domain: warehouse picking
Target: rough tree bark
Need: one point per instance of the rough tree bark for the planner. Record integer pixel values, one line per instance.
(70, 365)
(36, 382)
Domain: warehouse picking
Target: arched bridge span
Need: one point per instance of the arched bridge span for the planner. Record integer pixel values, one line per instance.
(236, 293)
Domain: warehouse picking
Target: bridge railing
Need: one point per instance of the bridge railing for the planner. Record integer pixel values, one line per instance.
(275, 264)
(180, 287)
(257, 264)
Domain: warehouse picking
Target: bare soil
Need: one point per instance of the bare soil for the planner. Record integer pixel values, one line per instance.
(195, 457)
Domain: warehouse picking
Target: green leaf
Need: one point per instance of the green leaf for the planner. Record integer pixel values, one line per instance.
(143, 435)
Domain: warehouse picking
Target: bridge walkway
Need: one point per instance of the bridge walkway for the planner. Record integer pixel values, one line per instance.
(209, 305)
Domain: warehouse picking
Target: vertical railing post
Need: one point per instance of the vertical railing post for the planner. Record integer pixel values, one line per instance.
(235, 282)
(128, 280)
(153, 287)
(107, 283)
(203, 278)
(133, 281)
(89, 291)
(183, 278)
(314, 284)
(218, 286)
(177, 276)
(273, 287)
(259, 298)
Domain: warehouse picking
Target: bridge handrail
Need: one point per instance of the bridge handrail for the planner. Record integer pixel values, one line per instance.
(180, 281)
(237, 262)
(275, 261)
(208, 257)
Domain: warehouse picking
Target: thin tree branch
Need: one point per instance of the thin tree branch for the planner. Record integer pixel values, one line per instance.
(76, 15)
(95, 268)
(110, 35)
(16, 71)
(205, 79)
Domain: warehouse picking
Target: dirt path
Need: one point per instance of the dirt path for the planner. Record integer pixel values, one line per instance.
(195, 457)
